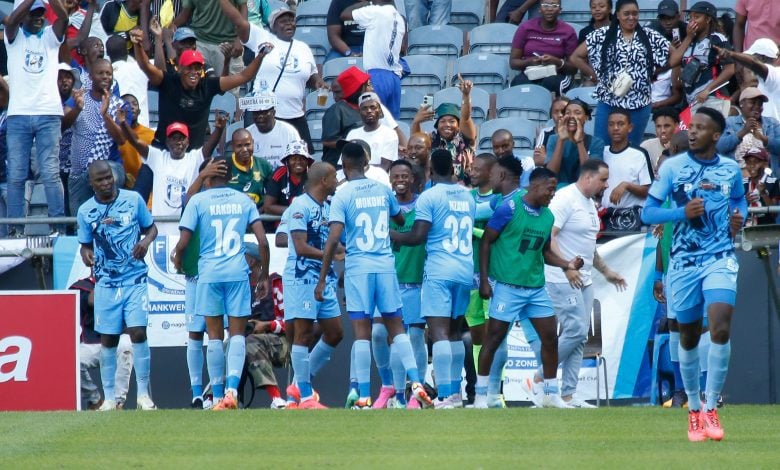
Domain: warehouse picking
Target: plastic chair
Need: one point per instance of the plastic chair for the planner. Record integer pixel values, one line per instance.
(440, 40)
(411, 100)
(576, 15)
(467, 14)
(523, 131)
(480, 101)
(312, 13)
(592, 351)
(584, 93)
(530, 101)
(317, 39)
(429, 73)
(315, 129)
(314, 111)
(494, 38)
(487, 71)
(332, 68)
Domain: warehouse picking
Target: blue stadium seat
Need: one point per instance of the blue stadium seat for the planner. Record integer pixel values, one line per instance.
(411, 100)
(312, 13)
(315, 129)
(576, 14)
(332, 68)
(725, 6)
(441, 40)
(404, 128)
(494, 38)
(226, 103)
(487, 71)
(530, 101)
(578, 27)
(480, 101)
(467, 14)
(649, 130)
(429, 73)
(317, 39)
(153, 98)
(523, 131)
(648, 10)
(584, 93)
(314, 112)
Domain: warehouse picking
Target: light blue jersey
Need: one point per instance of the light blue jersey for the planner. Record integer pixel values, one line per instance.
(365, 206)
(307, 215)
(113, 229)
(719, 183)
(450, 209)
(221, 216)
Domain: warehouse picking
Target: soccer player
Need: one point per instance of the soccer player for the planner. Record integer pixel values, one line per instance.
(514, 249)
(707, 207)
(110, 226)
(220, 216)
(445, 218)
(307, 226)
(362, 209)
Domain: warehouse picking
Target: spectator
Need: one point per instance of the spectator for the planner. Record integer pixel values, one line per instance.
(96, 135)
(666, 121)
(669, 23)
(503, 143)
(750, 130)
(763, 17)
(79, 26)
(376, 173)
(131, 159)
(622, 59)
(287, 181)
(703, 70)
(382, 140)
(600, 16)
(270, 135)
(630, 170)
(248, 172)
(418, 149)
(761, 59)
(556, 113)
(34, 110)
(761, 187)
(168, 47)
(543, 42)
(666, 88)
(121, 16)
(290, 67)
(454, 130)
(384, 43)
(67, 82)
(185, 96)
(513, 11)
(129, 77)
(92, 49)
(345, 37)
(425, 12)
(570, 147)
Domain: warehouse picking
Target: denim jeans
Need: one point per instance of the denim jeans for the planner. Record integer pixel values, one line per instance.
(425, 12)
(3, 208)
(639, 119)
(45, 132)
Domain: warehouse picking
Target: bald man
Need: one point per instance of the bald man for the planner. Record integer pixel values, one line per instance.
(504, 144)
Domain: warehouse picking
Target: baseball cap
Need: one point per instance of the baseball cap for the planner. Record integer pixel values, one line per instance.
(190, 57)
(37, 4)
(704, 7)
(757, 152)
(368, 96)
(177, 127)
(765, 47)
(276, 14)
(351, 80)
(668, 8)
(297, 147)
(183, 33)
(73, 71)
(264, 100)
(752, 92)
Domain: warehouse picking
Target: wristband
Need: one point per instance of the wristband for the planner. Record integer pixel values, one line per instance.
(478, 232)
(658, 276)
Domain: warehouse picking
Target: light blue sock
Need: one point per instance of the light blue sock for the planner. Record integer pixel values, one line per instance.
(301, 363)
(353, 382)
(717, 368)
(235, 360)
(319, 356)
(381, 353)
(442, 367)
(363, 367)
(215, 363)
(497, 369)
(397, 366)
(674, 356)
(550, 386)
(108, 371)
(689, 369)
(142, 363)
(456, 371)
(195, 365)
(704, 353)
(417, 338)
(403, 348)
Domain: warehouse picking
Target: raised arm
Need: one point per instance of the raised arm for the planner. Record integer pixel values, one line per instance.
(249, 72)
(346, 14)
(467, 126)
(748, 61)
(239, 21)
(129, 134)
(220, 122)
(85, 28)
(154, 74)
(61, 24)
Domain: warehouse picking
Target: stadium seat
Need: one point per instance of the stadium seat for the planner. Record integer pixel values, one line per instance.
(404, 127)
(578, 27)
(584, 93)
(226, 146)
(153, 98)
(429, 73)
(314, 111)
(648, 10)
(530, 101)
(480, 101)
(576, 15)
(592, 351)
(317, 39)
(494, 38)
(523, 131)
(332, 68)
(315, 129)
(725, 6)
(312, 13)
(226, 103)
(487, 71)
(649, 130)
(411, 100)
(467, 14)
(441, 40)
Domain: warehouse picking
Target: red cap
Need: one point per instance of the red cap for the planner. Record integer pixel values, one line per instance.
(351, 80)
(190, 57)
(177, 127)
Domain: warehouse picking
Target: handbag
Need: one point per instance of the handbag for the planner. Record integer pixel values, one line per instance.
(626, 219)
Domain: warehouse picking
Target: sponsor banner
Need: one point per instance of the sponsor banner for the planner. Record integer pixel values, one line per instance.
(13, 245)
(39, 354)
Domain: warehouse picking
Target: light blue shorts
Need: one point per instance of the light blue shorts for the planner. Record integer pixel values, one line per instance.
(233, 299)
(442, 298)
(117, 307)
(299, 302)
(515, 303)
(367, 292)
(410, 296)
(195, 323)
(692, 288)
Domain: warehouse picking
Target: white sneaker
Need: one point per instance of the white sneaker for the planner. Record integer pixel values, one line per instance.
(278, 403)
(577, 403)
(445, 404)
(535, 391)
(480, 401)
(496, 401)
(208, 403)
(553, 400)
(145, 403)
(108, 405)
(457, 400)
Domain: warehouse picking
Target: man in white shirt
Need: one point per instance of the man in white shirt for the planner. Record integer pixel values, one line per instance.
(128, 75)
(630, 173)
(270, 135)
(762, 59)
(382, 140)
(34, 108)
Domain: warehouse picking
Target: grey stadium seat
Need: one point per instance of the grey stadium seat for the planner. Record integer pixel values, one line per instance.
(523, 131)
(487, 71)
(529, 101)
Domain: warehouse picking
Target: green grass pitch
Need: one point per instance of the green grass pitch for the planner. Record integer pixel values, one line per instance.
(617, 437)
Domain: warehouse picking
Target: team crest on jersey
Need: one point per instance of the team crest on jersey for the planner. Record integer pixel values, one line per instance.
(725, 189)
(246, 187)
(257, 176)
(307, 305)
(707, 185)
(33, 62)
(297, 215)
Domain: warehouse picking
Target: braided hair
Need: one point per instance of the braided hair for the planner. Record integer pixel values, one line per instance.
(610, 40)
